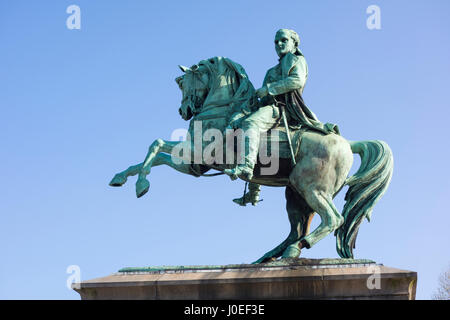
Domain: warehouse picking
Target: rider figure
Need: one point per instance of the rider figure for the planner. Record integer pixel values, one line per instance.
(289, 75)
(283, 84)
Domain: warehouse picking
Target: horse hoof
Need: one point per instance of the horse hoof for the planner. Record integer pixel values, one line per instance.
(260, 260)
(142, 186)
(264, 259)
(118, 180)
(292, 251)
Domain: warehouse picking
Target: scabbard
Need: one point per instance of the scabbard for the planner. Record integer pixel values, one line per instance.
(286, 125)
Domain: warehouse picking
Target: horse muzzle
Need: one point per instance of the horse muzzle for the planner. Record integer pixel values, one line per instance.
(185, 112)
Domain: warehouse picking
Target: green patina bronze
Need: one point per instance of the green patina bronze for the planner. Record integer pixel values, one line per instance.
(289, 263)
(313, 159)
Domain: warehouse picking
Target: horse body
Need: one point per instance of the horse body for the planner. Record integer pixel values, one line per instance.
(215, 89)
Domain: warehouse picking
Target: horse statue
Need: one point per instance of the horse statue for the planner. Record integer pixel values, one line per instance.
(215, 89)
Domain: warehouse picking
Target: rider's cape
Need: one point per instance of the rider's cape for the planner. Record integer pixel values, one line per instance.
(298, 114)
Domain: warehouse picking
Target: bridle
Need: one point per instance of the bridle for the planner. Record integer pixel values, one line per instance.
(195, 99)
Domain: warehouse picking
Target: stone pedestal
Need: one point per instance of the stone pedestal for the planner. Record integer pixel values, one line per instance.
(283, 279)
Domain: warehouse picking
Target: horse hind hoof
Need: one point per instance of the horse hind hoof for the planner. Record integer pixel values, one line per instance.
(264, 260)
(142, 187)
(292, 251)
(118, 180)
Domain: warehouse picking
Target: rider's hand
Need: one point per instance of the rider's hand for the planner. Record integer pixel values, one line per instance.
(231, 125)
(234, 121)
(262, 92)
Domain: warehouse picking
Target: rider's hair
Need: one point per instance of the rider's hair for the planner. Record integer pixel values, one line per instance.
(294, 36)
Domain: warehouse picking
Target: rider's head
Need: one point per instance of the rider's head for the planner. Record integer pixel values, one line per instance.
(286, 40)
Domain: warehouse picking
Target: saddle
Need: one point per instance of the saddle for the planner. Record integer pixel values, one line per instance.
(276, 140)
(276, 143)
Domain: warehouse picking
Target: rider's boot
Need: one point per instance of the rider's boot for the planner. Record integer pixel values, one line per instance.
(252, 196)
(245, 170)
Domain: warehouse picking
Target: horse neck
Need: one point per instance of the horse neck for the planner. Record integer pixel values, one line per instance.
(214, 115)
(217, 105)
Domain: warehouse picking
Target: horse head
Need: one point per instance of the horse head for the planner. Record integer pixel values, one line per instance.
(194, 86)
(216, 87)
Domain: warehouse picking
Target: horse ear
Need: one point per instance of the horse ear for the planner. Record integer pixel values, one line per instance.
(183, 68)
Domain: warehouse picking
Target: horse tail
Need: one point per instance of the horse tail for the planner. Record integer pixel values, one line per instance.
(366, 187)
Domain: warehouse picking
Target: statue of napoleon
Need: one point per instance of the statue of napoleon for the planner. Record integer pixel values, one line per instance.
(282, 87)
(315, 160)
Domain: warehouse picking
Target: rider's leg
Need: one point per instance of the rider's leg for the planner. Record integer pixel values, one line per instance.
(260, 121)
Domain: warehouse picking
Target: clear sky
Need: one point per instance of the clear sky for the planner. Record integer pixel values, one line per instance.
(78, 106)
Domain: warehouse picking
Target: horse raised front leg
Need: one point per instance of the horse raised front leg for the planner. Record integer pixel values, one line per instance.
(158, 146)
(121, 178)
(142, 184)
(160, 159)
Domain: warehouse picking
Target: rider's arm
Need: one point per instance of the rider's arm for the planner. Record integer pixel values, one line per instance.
(296, 79)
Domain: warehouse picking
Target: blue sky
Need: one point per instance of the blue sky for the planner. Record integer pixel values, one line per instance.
(77, 106)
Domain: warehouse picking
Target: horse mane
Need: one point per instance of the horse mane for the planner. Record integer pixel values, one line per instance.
(229, 85)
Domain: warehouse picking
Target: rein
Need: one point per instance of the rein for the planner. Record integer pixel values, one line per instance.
(206, 174)
(193, 97)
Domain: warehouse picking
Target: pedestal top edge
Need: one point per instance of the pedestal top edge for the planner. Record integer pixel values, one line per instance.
(273, 265)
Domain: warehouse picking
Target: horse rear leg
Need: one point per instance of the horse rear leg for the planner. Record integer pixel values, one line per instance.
(322, 203)
(300, 216)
